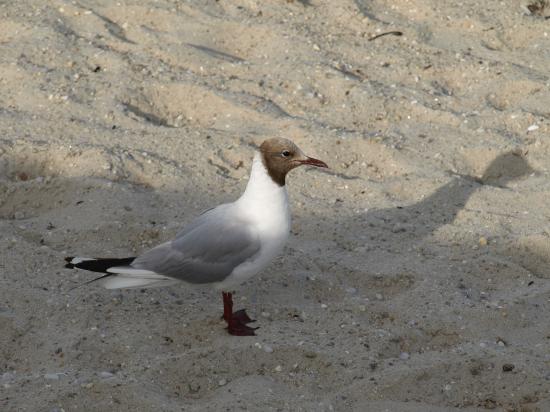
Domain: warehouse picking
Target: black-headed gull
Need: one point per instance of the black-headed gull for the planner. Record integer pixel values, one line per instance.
(225, 245)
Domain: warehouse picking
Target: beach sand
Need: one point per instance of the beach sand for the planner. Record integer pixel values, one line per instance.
(417, 274)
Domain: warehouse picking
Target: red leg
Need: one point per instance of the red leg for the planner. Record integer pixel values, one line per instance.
(227, 305)
(236, 322)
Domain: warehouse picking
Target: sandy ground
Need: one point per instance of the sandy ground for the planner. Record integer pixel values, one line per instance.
(417, 276)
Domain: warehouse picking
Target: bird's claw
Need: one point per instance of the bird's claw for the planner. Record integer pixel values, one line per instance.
(236, 321)
(240, 329)
(242, 317)
(237, 324)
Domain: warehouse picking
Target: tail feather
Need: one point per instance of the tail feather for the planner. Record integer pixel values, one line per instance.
(117, 273)
(96, 265)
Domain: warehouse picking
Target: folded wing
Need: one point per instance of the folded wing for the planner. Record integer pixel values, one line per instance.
(206, 251)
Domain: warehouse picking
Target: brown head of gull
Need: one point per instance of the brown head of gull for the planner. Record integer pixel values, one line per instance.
(280, 156)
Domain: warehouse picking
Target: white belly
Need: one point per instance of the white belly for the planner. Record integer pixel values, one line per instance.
(273, 237)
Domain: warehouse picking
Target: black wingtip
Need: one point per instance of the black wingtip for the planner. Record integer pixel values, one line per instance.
(69, 265)
(100, 265)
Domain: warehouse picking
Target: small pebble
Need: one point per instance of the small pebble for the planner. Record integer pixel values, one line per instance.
(482, 241)
(404, 356)
(379, 296)
(105, 375)
(268, 349)
(278, 368)
(7, 376)
(18, 215)
(323, 306)
(222, 382)
(266, 314)
(533, 127)
(508, 367)
(194, 387)
(52, 376)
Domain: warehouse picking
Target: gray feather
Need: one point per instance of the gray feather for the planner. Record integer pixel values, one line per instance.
(206, 251)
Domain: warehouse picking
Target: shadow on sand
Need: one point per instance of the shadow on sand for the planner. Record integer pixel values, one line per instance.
(441, 208)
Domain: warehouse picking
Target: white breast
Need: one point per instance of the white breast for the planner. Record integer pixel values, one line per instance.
(265, 204)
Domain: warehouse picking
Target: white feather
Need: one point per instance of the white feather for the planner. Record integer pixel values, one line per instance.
(133, 272)
(77, 260)
(119, 282)
(129, 277)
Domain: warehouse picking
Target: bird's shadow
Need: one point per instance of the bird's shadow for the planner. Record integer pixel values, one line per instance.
(425, 217)
(373, 244)
(385, 251)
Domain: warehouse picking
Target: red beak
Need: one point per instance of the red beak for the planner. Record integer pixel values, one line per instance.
(313, 162)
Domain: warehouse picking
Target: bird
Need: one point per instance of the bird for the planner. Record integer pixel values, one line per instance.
(225, 245)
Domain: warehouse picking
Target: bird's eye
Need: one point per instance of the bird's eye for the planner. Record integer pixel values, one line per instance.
(285, 153)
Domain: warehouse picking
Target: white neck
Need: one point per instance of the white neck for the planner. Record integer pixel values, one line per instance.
(262, 194)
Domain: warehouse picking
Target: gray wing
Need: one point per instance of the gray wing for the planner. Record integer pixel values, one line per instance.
(206, 251)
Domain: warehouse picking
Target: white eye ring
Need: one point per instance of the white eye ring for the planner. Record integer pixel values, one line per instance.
(285, 153)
